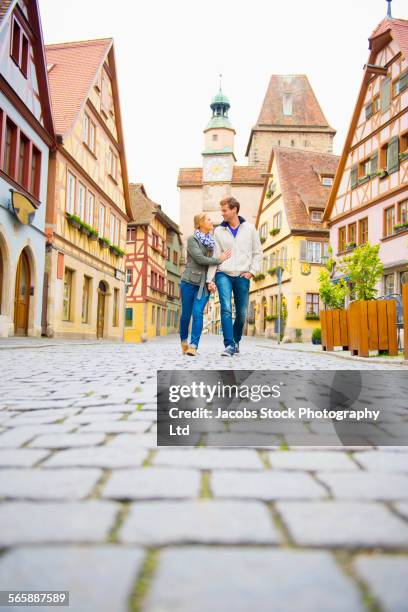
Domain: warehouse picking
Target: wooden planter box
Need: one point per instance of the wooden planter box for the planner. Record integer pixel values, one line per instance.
(334, 324)
(373, 326)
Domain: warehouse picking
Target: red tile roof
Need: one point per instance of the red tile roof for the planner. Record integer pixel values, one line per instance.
(241, 175)
(72, 70)
(398, 29)
(306, 110)
(144, 209)
(300, 182)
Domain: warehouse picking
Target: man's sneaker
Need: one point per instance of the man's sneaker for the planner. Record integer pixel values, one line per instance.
(237, 347)
(229, 351)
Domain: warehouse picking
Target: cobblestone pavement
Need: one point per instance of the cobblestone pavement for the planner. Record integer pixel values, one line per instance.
(90, 504)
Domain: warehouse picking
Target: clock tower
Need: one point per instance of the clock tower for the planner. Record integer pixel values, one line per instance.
(218, 156)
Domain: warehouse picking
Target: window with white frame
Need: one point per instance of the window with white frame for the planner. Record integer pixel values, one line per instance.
(91, 208)
(263, 230)
(101, 220)
(317, 215)
(327, 181)
(277, 220)
(314, 251)
(312, 303)
(117, 231)
(81, 201)
(113, 164)
(70, 204)
(112, 228)
(389, 285)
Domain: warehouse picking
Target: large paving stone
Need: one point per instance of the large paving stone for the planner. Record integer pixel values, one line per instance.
(208, 458)
(21, 457)
(84, 419)
(14, 438)
(47, 484)
(366, 485)
(117, 427)
(67, 440)
(343, 524)
(99, 456)
(200, 579)
(204, 521)
(386, 577)
(145, 440)
(305, 460)
(37, 522)
(265, 485)
(383, 461)
(99, 579)
(152, 483)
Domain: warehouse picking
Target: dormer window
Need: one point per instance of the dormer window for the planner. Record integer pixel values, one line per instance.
(316, 215)
(327, 181)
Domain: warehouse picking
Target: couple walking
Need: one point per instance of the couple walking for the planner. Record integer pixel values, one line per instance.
(225, 260)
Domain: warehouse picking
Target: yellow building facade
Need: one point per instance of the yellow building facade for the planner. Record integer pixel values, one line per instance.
(88, 198)
(293, 238)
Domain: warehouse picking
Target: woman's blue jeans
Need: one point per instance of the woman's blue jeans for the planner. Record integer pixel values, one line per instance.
(191, 306)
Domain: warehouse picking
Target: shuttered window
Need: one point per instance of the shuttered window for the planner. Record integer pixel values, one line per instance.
(303, 250)
(374, 163)
(369, 111)
(385, 97)
(393, 155)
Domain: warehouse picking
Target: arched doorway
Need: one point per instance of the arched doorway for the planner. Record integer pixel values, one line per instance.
(100, 313)
(22, 295)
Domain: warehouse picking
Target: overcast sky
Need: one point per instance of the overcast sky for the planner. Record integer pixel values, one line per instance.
(169, 56)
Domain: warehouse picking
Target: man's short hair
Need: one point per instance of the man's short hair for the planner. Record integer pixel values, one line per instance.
(231, 203)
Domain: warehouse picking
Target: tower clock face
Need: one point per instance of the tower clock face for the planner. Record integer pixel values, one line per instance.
(217, 168)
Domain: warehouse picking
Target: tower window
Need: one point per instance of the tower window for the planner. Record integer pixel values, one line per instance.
(287, 104)
(215, 137)
(292, 143)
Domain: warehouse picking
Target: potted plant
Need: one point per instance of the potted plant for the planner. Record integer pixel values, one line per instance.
(350, 245)
(382, 173)
(272, 271)
(317, 336)
(262, 239)
(271, 317)
(104, 242)
(403, 155)
(275, 231)
(73, 220)
(259, 277)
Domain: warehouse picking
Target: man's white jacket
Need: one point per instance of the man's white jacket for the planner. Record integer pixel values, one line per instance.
(246, 250)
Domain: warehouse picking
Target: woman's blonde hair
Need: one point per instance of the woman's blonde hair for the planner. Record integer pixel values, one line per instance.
(198, 218)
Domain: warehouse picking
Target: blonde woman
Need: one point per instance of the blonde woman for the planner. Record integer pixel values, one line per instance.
(193, 287)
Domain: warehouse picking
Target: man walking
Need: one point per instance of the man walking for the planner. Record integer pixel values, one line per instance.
(232, 276)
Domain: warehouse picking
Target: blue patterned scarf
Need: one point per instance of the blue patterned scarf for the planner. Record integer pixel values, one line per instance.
(206, 239)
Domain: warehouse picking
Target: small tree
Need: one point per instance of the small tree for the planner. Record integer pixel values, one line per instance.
(332, 294)
(364, 269)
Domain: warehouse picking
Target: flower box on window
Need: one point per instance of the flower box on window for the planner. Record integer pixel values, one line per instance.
(272, 271)
(104, 242)
(73, 220)
(93, 233)
(312, 316)
(403, 155)
(251, 321)
(259, 277)
(262, 239)
(382, 173)
(275, 231)
(116, 250)
(400, 227)
(85, 229)
(271, 317)
(350, 246)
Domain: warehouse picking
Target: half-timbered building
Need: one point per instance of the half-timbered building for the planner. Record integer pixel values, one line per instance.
(146, 254)
(369, 199)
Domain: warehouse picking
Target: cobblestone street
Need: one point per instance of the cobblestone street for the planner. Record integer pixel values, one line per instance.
(89, 504)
